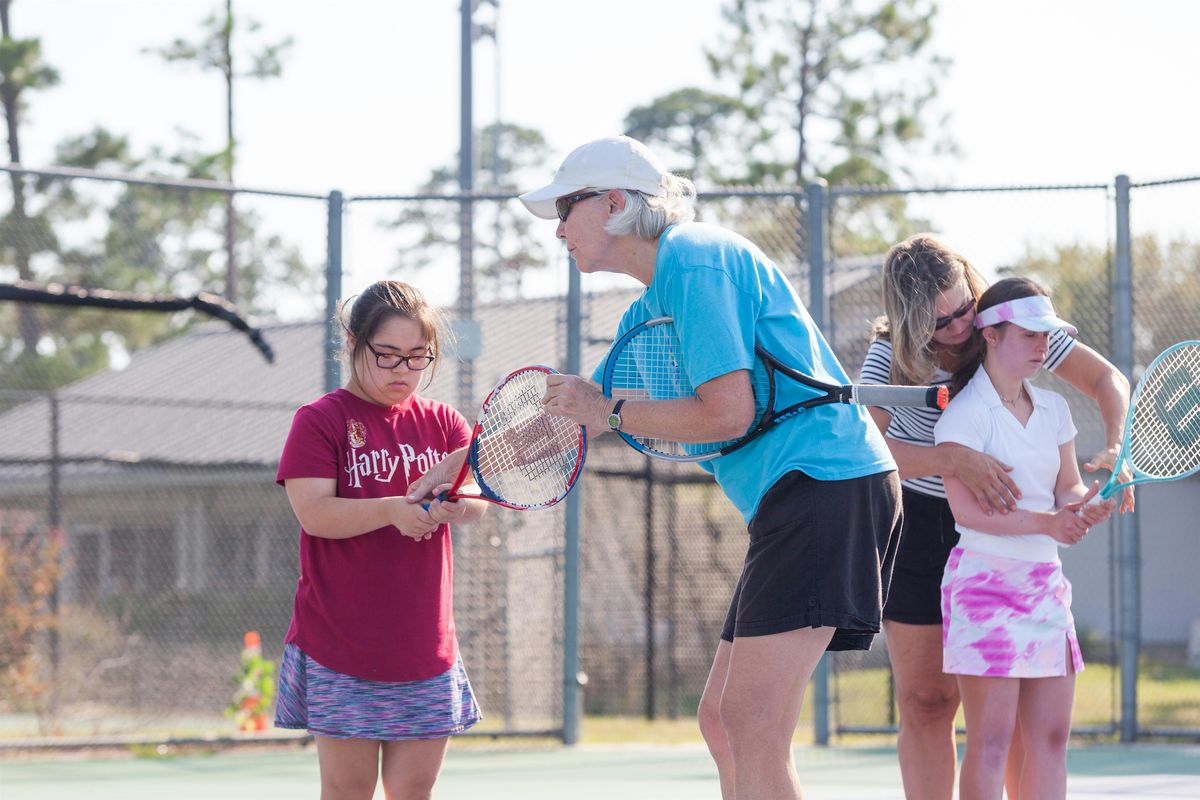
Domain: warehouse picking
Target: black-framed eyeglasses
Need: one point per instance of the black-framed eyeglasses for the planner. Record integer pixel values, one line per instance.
(563, 204)
(393, 360)
(963, 310)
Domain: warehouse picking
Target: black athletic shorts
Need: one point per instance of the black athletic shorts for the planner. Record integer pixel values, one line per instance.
(925, 544)
(820, 555)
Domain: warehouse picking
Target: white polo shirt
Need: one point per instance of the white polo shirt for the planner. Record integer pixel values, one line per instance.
(976, 418)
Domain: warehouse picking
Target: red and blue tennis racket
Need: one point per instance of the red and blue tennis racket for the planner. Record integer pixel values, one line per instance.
(520, 457)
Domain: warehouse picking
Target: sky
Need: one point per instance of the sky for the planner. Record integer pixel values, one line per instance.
(1071, 91)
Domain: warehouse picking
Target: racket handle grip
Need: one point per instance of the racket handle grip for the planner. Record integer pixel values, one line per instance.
(441, 496)
(913, 396)
(1099, 497)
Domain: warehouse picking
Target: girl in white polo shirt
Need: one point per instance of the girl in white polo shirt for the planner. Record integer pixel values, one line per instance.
(1007, 628)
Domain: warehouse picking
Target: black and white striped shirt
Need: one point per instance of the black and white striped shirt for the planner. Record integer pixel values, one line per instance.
(915, 425)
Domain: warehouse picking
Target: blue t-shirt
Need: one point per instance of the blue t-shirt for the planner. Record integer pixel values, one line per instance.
(725, 295)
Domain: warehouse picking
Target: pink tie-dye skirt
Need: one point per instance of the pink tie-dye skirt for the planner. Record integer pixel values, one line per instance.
(1006, 618)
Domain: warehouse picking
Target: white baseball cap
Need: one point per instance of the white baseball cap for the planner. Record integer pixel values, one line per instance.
(617, 162)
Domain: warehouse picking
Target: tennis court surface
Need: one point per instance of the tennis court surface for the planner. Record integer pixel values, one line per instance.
(592, 772)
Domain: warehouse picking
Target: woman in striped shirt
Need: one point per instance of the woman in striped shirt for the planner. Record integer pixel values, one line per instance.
(930, 293)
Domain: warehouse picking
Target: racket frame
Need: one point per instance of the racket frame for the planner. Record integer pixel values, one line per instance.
(855, 394)
(471, 462)
(1114, 483)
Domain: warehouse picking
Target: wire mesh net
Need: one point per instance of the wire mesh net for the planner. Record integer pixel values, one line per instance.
(137, 454)
(1165, 310)
(863, 687)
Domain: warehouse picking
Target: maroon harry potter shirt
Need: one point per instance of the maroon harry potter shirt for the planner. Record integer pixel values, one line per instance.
(377, 606)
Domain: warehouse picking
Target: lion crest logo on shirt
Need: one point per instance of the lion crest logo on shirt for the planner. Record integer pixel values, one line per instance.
(356, 433)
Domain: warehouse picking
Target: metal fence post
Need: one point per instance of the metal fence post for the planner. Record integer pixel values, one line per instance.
(816, 193)
(466, 205)
(572, 680)
(54, 518)
(333, 290)
(1129, 555)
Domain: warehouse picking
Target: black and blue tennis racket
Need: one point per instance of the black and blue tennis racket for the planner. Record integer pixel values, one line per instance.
(1162, 429)
(646, 364)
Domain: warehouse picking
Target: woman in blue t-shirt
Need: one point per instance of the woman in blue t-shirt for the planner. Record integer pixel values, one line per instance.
(819, 493)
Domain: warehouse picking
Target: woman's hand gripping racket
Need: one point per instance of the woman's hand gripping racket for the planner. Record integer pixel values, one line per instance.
(1162, 429)
(521, 457)
(646, 364)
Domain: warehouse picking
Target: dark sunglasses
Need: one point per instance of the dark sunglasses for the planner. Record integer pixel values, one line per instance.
(963, 310)
(563, 204)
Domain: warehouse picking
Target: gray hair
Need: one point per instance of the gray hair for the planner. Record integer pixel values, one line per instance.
(646, 216)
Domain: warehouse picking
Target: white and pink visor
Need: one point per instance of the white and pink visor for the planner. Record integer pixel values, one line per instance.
(1031, 313)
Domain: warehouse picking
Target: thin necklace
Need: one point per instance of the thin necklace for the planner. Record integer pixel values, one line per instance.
(1013, 402)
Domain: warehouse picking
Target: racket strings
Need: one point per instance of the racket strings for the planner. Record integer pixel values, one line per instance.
(524, 455)
(650, 367)
(1164, 437)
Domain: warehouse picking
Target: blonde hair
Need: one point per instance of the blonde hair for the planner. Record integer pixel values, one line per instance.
(915, 272)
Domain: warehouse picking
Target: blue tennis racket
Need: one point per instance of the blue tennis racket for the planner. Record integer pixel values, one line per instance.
(647, 364)
(1162, 429)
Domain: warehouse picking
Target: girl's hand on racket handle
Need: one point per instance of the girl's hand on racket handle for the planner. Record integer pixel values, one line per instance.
(1104, 460)
(415, 522)
(578, 400)
(426, 487)
(1067, 526)
(446, 511)
(1097, 512)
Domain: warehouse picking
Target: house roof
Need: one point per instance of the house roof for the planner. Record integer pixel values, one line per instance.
(207, 397)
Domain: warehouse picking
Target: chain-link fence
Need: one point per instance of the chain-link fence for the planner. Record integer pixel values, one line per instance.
(660, 669)
(1165, 309)
(862, 686)
(138, 509)
(140, 531)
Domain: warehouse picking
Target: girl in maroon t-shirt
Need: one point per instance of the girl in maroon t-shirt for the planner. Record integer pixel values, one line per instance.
(371, 664)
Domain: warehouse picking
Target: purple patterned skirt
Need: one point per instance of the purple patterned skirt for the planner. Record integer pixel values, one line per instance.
(327, 703)
(1006, 618)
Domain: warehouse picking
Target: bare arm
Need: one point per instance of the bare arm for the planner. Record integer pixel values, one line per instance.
(1070, 492)
(455, 511)
(442, 473)
(440, 478)
(1069, 487)
(1095, 377)
(986, 477)
(723, 408)
(1063, 525)
(322, 513)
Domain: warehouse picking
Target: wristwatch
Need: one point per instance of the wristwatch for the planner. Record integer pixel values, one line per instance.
(614, 417)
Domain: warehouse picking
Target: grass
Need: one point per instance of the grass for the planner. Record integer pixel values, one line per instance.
(622, 730)
(1168, 697)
